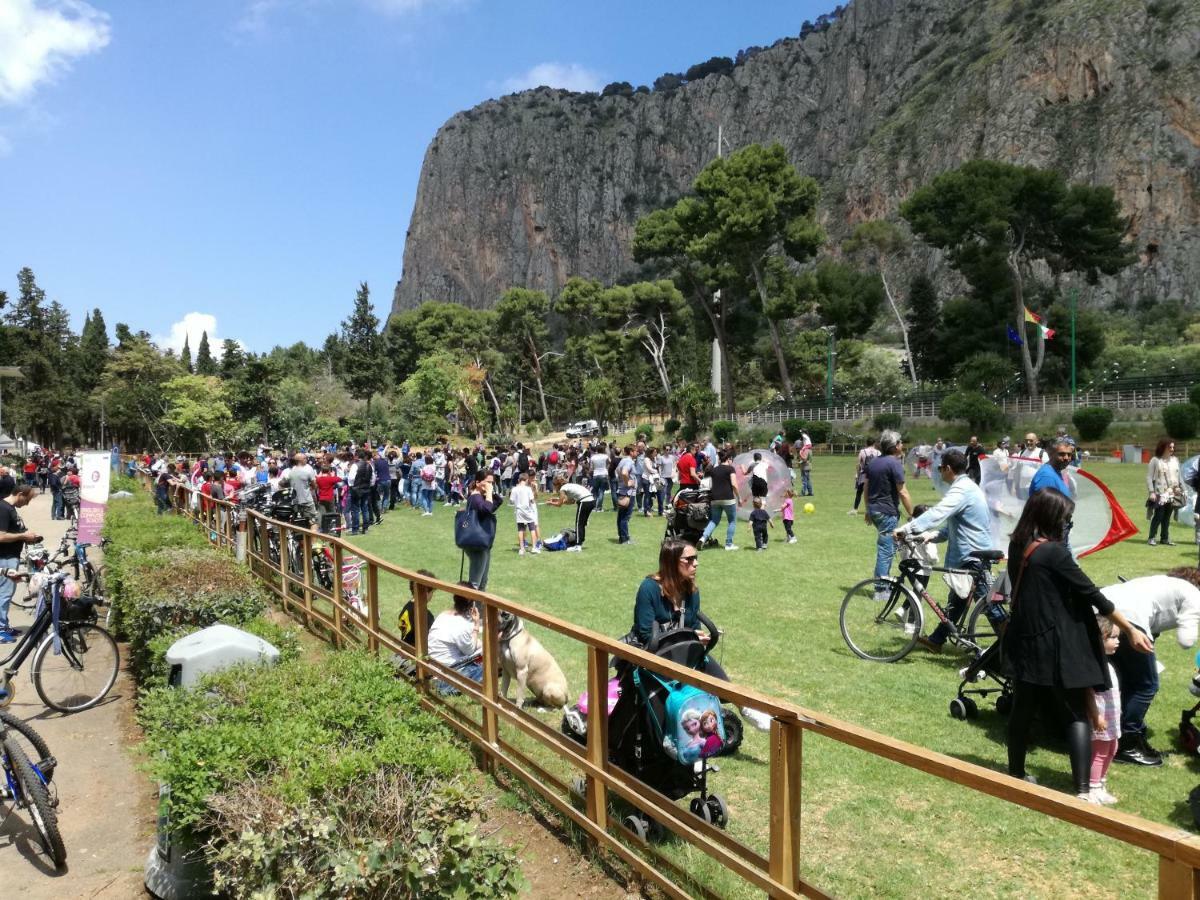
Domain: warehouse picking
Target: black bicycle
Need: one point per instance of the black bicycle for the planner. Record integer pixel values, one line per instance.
(882, 618)
(27, 784)
(75, 661)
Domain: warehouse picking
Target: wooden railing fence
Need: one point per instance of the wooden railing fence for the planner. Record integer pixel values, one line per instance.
(253, 536)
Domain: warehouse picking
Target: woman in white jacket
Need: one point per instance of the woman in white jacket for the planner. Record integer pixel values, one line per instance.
(1154, 604)
(1164, 485)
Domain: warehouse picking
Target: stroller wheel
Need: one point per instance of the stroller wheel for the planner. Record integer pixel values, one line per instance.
(720, 812)
(637, 827)
(1004, 704)
(958, 707)
(701, 810)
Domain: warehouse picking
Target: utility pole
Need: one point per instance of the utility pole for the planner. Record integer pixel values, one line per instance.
(1074, 304)
(718, 362)
(830, 330)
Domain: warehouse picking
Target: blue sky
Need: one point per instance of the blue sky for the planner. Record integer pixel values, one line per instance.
(242, 165)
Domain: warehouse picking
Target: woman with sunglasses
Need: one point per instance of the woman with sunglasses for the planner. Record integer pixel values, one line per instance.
(670, 597)
(1052, 641)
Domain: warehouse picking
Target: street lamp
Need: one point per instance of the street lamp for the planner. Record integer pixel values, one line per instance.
(830, 330)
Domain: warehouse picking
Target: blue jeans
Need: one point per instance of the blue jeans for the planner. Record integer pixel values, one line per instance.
(714, 519)
(360, 510)
(414, 491)
(427, 499)
(1138, 673)
(885, 544)
(664, 493)
(955, 604)
(623, 516)
(599, 489)
(8, 587)
(473, 670)
(161, 500)
(56, 505)
(805, 482)
(646, 495)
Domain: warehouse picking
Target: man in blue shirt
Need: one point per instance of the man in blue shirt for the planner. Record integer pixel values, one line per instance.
(885, 493)
(1050, 474)
(961, 519)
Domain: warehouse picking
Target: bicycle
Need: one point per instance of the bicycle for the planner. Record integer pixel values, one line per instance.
(28, 785)
(75, 661)
(882, 618)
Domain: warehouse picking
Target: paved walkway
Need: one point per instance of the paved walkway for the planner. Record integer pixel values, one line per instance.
(106, 807)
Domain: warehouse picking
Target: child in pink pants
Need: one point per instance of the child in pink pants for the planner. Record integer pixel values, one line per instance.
(1106, 722)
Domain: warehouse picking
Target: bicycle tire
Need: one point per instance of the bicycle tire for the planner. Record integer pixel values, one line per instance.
(880, 630)
(41, 750)
(35, 797)
(66, 688)
(980, 638)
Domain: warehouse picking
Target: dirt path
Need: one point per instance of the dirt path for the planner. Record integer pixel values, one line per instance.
(106, 807)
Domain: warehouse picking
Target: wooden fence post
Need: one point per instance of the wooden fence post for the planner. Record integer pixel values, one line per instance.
(491, 662)
(420, 637)
(372, 607)
(338, 557)
(1177, 880)
(597, 735)
(786, 756)
(306, 550)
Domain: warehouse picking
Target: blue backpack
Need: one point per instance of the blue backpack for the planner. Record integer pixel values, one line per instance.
(694, 727)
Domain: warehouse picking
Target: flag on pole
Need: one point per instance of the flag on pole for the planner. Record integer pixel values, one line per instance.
(1030, 316)
(1014, 337)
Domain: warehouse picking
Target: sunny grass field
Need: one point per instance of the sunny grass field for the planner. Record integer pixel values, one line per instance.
(871, 827)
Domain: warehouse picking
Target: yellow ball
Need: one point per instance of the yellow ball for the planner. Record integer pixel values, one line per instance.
(809, 509)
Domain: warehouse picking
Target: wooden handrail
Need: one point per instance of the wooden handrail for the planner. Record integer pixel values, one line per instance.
(1178, 850)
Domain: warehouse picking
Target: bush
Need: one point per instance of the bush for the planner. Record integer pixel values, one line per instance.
(322, 779)
(1182, 420)
(760, 437)
(723, 430)
(1092, 421)
(671, 426)
(792, 429)
(980, 413)
(884, 421)
(819, 431)
(688, 431)
(1194, 395)
(644, 433)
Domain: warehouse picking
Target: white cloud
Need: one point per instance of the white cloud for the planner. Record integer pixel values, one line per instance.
(192, 326)
(569, 76)
(40, 39)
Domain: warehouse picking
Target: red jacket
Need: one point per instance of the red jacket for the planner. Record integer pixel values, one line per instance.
(687, 470)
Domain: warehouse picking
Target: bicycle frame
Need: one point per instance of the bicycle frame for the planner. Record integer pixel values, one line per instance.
(910, 569)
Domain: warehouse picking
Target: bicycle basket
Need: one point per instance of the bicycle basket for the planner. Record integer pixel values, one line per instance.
(76, 611)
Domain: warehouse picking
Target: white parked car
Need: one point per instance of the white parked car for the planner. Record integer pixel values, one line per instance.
(586, 428)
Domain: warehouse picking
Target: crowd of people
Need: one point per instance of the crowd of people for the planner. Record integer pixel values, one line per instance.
(48, 471)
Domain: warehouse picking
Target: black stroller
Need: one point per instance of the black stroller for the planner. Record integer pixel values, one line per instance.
(643, 739)
(688, 515)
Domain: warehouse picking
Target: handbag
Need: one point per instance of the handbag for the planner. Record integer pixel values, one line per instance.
(1177, 499)
(473, 533)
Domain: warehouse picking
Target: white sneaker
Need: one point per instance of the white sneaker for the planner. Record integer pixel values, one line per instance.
(732, 547)
(1089, 797)
(520, 551)
(1102, 796)
(852, 512)
(537, 549)
(791, 540)
(759, 720)
(576, 549)
(882, 596)
(426, 514)
(910, 628)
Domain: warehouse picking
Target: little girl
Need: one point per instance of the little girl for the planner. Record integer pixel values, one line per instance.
(1105, 710)
(788, 513)
(925, 553)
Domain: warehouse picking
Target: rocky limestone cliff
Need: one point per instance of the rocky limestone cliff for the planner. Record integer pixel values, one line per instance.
(539, 186)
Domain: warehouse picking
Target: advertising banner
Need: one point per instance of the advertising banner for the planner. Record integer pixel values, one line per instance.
(94, 475)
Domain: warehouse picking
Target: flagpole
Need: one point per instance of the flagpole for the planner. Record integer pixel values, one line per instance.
(1074, 303)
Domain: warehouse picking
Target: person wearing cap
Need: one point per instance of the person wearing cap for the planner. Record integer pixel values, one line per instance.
(1001, 454)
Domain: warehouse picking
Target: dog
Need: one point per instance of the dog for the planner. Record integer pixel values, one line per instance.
(523, 657)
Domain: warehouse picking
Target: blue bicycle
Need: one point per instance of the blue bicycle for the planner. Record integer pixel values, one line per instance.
(27, 785)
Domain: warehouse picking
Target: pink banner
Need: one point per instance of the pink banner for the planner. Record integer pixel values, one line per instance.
(94, 470)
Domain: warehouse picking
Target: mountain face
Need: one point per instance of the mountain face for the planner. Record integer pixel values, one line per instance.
(536, 187)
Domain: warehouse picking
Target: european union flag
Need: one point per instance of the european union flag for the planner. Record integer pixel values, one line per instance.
(1014, 337)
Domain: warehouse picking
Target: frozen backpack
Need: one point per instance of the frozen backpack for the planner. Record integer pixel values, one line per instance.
(694, 727)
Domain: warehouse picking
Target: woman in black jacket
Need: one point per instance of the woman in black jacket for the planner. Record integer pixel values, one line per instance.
(1052, 642)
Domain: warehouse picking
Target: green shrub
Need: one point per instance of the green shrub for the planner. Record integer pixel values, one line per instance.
(1092, 421)
(756, 437)
(1194, 395)
(688, 431)
(723, 430)
(671, 426)
(884, 421)
(792, 428)
(819, 431)
(1181, 420)
(644, 433)
(980, 413)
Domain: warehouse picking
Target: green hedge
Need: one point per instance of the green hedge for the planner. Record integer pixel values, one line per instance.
(1182, 420)
(322, 779)
(723, 430)
(1092, 421)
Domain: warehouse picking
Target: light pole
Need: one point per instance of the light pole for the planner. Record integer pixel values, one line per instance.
(830, 330)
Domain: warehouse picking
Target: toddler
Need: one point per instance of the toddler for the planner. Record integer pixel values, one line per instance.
(1105, 710)
(788, 514)
(760, 520)
(925, 553)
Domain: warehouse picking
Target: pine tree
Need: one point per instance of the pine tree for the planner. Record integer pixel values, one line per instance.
(364, 359)
(924, 326)
(205, 364)
(185, 355)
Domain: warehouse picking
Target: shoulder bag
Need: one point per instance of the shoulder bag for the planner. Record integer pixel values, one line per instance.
(472, 531)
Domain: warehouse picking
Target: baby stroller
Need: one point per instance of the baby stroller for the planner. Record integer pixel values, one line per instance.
(989, 665)
(663, 732)
(688, 515)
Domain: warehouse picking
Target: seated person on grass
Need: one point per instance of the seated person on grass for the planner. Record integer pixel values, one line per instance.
(455, 641)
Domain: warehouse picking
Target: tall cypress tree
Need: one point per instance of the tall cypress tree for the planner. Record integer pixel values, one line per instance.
(364, 359)
(185, 355)
(205, 364)
(924, 326)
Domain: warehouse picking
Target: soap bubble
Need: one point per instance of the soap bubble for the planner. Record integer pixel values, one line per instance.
(779, 479)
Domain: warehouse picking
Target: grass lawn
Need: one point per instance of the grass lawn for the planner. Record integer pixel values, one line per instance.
(871, 827)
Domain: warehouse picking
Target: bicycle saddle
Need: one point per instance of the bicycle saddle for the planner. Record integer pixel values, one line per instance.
(987, 555)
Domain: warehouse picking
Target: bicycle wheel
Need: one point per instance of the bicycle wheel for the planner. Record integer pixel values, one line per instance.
(93, 580)
(82, 674)
(980, 630)
(31, 742)
(880, 619)
(32, 794)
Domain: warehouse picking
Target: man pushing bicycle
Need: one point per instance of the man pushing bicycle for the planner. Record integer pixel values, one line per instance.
(961, 519)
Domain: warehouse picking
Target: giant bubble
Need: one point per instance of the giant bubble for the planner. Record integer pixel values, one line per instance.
(779, 479)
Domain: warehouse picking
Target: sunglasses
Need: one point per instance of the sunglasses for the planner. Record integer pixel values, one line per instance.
(691, 560)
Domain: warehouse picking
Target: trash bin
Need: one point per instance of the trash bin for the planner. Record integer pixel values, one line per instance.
(175, 867)
(1131, 453)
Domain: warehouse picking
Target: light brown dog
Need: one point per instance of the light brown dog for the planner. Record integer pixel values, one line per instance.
(523, 657)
